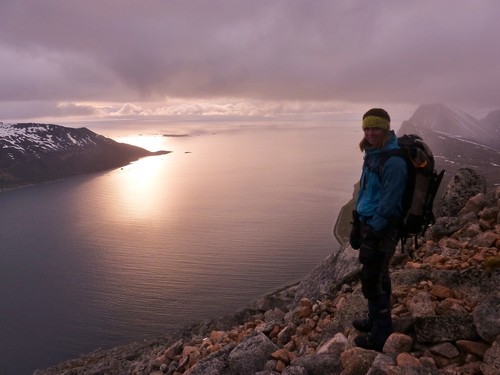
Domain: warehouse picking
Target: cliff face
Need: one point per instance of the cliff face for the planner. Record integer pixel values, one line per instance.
(31, 153)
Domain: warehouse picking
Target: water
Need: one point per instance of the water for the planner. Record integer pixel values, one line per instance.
(112, 257)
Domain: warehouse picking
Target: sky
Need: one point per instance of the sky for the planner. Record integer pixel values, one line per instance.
(65, 60)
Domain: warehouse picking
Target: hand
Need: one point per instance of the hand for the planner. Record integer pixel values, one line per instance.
(355, 235)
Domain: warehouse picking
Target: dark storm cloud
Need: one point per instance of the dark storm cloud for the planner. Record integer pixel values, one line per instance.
(350, 51)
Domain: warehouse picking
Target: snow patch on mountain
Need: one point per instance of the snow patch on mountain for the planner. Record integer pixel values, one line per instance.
(41, 138)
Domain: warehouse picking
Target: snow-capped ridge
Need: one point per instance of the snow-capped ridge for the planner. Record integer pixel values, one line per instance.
(32, 152)
(456, 123)
(40, 138)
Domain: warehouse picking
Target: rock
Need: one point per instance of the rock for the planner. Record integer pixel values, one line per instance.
(491, 360)
(437, 329)
(357, 361)
(285, 335)
(445, 349)
(295, 370)
(305, 308)
(319, 364)
(475, 348)
(251, 355)
(174, 349)
(339, 268)
(441, 292)
(474, 205)
(354, 307)
(450, 306)
(346, 288)
(486, 239)
(282, 355)
(407, 360)
(429, 365)
(336, 344)
(465, 184)
(381, 363)
(420, 305)
(487, 318)
(272, 301)
(398, 343)
(445, 226)
(214, 364)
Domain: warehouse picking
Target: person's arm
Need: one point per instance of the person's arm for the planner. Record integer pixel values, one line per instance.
(394, 180)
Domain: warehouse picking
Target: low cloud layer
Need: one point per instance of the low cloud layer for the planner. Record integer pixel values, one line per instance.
(59, 57)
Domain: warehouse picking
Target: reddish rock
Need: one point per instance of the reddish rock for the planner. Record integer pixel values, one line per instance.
(398, 343)
(421, 305)
(407, 360)
(475, 348)
(441, 291)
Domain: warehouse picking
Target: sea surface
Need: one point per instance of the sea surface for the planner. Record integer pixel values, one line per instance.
(233, 213)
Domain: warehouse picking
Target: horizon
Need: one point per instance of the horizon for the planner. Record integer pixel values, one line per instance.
(68, 63)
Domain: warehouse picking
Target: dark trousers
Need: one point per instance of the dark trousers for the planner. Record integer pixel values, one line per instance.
(376, 284)
(375, 278)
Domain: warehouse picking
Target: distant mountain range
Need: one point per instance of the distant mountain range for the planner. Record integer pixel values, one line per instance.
(33, 153)
(459, 140)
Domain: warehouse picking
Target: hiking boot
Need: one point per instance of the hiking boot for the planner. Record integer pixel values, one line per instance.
(381, 326)
(369, 342)
(363, 325)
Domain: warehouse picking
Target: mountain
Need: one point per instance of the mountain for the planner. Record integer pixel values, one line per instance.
(492, 124)
(32, 153)
(458, 140)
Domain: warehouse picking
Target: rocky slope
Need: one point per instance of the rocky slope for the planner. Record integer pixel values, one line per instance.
(31, 153)
(446, 309)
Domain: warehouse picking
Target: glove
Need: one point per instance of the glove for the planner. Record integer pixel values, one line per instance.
(355, 235)
(369, 251)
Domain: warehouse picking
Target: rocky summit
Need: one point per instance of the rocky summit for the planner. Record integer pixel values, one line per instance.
(445, 306)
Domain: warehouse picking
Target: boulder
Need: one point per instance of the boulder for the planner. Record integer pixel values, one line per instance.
(491, 360)
(319, 364)
(487, 318)
(250, 356)
(437, 329)
(465, 184)
(214, 364)
(339, 268)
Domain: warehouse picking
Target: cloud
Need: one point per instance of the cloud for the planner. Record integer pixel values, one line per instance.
(286, 51)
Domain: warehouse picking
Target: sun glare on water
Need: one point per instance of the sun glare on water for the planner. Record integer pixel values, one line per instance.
(140, 182)
(148, 142)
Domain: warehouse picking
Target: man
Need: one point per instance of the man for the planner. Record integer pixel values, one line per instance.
(375, 232)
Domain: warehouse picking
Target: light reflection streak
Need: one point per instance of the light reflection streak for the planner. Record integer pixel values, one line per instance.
(149, 142)
(141, 189)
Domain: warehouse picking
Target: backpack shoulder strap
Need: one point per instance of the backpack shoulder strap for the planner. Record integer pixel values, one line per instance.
(383, 156)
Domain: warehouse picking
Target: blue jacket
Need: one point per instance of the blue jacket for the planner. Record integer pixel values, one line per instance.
(381, 200)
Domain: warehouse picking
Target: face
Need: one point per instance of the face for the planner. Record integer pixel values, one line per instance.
(374, 135)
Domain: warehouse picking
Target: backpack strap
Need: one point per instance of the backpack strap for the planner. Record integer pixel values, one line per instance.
(383, 156)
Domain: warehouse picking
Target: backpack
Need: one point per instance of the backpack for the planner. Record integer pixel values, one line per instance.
(421, 189)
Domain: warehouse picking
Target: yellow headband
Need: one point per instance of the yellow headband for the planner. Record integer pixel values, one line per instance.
(376, 122)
